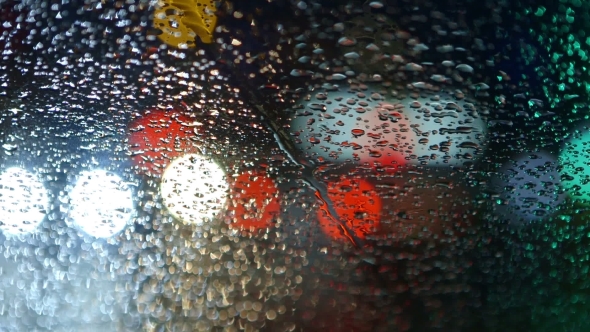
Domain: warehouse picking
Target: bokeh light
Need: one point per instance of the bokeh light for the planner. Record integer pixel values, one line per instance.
(529, 187)
(100, 203)
(449, 129)
(24, 202)
(358, 205)
(575, 164)
(194, 189)
(181, 21)
(254, 202)
(158, 137)
(360, 123)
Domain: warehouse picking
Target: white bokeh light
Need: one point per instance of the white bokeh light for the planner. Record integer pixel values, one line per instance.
(194, 189)
(432, 128)
(449, 129)
(100, 203)
(339, 124)
(23, 202)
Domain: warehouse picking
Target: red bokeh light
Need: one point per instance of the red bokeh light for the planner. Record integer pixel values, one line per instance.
(254, 202)
(357, 204)
(157, 138)
(387, 162)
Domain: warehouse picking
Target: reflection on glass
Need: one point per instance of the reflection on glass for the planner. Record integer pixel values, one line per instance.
(23, 202)
(194, 189)
(100, 203)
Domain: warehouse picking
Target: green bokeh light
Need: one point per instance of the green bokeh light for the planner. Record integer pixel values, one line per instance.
(575, 165)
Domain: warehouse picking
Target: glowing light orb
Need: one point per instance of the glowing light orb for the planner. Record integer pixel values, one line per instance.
(529, 187)
(100, 203)
(157, 138)
(449, 130)
(23, 202)
(254, 202)
(360, 123)
(180, 21)
(194, 189)
(358, 205)
(575, 162)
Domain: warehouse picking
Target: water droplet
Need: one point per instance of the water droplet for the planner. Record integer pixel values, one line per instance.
(300, 72)
(9, 147)
(372, 47)
(445, 48)
(302, 5)
(357, 132)
(352, 55)
(468, 145)
(375, 154)
(382, 143)
(413, 67)
(376, 4)
(338, 77)
(464, 68)
(439, 78)
(304, 59)
(421, 47)
(345, 41)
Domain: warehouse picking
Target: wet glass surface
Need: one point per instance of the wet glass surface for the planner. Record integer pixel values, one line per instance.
(303, 165)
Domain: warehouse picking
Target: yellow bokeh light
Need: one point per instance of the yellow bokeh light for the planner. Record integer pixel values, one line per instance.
(182, 20)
